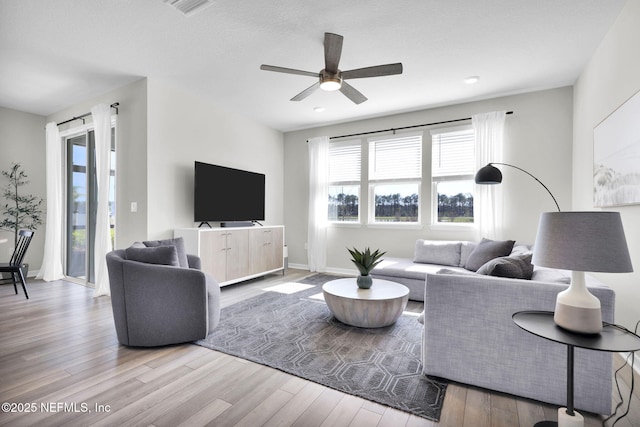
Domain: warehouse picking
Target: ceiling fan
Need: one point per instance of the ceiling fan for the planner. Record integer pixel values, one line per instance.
(331, 78)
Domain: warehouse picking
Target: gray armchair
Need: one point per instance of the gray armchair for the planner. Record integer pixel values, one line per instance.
(155, 304)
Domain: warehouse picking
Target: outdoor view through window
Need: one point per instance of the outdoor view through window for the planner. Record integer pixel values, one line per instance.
(394, 179)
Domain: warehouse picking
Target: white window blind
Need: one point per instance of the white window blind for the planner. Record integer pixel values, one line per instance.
(397, 157)
(344, 162)
(453, 153)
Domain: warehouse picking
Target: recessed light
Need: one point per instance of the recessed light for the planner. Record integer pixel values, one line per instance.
(471, 80)
(318, 109)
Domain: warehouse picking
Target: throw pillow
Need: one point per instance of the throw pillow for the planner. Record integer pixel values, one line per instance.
(513, 267)
(178, 242)
(435, 252)
(163, 255)
(465, 250)
(486, 251)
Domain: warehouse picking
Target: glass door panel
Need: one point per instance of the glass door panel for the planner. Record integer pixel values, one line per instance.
(77, 211)
(82, 193)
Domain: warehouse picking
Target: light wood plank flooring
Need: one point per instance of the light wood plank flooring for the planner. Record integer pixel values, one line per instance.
(59, 358)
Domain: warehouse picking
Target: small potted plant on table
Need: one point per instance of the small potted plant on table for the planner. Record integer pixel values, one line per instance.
(365, 261)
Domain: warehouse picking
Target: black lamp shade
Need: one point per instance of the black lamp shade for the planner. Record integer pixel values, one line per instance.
(489, 175)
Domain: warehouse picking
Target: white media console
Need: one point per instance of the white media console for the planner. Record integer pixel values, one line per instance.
(234, 254)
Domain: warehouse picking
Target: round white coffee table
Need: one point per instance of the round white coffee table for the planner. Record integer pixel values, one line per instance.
(379, 306)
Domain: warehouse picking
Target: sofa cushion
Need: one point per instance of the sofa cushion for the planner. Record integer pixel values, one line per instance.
(520, 249)
(178, 242)
(514, 267)
(164, 255)
(437, 252)
(550, 275)
(486, 251)
(404, 267)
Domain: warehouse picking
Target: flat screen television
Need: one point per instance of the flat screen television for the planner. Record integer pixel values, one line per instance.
(226, 194)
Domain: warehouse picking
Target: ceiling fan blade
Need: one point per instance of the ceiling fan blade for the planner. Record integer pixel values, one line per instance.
(352, 93)
(332, 52)
(308, 91)
(288, 70)
(375, 71)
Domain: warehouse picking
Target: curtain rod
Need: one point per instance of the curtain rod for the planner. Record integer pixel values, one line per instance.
(82, 116)
(405, 127)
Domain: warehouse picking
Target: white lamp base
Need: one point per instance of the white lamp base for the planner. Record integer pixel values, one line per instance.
(566, 420)
(577, 309)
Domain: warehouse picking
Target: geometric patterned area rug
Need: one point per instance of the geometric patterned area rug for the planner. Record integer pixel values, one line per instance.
(291, 329)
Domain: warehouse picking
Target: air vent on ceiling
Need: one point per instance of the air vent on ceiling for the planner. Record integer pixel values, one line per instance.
(189, 7)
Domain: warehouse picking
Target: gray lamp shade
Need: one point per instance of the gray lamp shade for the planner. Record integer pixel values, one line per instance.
(488, 175)
(582, 241)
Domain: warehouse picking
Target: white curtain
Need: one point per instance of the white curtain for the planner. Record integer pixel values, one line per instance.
(102, 126)
(318, 199)
(51, 268)
(488, 201)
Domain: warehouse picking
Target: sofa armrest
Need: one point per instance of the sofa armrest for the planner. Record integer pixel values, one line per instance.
(164, 304)
(469, 337)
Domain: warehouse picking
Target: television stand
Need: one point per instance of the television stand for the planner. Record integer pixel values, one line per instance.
(236, 224)
(205, 223)
(236, 254)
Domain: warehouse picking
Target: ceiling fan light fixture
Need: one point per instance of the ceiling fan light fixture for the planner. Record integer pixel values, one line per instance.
(330, 83)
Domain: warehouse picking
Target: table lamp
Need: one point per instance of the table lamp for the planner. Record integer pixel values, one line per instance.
(581, 241)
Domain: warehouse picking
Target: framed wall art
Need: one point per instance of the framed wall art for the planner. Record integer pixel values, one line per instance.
(616, 156)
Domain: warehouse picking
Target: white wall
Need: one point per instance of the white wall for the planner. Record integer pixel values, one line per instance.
(610, 78)
(183, 128)
(22, 140)
(131, 155)
(161, 131)
(538, 138)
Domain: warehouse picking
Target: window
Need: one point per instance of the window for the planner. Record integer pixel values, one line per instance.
(344, 182)
(395, 174)
(452, 172)
(81, 203)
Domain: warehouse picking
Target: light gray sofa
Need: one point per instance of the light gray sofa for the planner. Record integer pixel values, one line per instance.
(469, 335)
(156, 304)
(432, 256)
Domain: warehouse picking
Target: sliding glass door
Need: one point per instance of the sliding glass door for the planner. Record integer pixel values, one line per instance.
(82, 193)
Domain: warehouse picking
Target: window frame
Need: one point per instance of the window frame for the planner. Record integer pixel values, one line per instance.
(435, 180)
(373, 181)
(347, 182)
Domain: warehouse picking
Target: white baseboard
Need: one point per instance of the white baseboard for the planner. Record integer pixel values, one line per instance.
(343, 271)
(298, 266)
(636, 365)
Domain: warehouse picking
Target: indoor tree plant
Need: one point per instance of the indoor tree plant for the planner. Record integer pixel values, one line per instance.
(365, 261)
(19, 211)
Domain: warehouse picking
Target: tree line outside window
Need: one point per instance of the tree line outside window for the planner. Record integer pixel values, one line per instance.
(395, 208)
(456, 208)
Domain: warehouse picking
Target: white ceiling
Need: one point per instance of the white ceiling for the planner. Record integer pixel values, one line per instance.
(54, 54)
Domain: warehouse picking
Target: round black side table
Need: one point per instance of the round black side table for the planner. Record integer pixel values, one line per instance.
(612, 339)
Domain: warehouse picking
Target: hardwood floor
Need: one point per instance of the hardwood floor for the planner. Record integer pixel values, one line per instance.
(60, 364)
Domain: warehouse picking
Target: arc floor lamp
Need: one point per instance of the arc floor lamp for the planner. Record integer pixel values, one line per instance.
(591, 241)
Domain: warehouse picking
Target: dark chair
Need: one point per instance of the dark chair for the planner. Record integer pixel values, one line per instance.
(15, 264)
